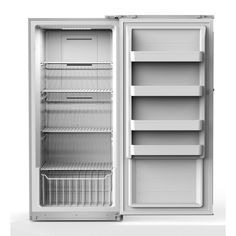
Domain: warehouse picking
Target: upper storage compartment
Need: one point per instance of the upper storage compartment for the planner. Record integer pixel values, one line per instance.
(79, 46)
(78, 60)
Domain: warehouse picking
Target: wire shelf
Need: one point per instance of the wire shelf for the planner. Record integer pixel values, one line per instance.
(74, 63)
(77, 91)
(77, 65)
(78, 101)
(55, 96)
(77, 130)
(77, 166)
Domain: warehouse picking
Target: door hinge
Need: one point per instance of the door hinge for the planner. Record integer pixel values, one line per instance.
(117, 17)
(205, 16)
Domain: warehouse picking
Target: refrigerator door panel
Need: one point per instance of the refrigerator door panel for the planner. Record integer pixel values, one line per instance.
(167, 116)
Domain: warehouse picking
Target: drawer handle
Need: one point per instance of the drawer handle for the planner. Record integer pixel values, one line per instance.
(76, 97)
(79, 64)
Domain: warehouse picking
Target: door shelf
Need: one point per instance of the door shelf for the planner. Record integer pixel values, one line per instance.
(77, 130)
(166, 90)
(145, 205)
(77, 166)
(167, 150)
(158, 56)
(166, 125)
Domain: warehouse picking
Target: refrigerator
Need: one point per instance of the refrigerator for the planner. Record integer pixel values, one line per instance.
(121, 117)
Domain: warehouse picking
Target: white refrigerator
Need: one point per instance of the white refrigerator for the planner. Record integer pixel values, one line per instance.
(121, 117)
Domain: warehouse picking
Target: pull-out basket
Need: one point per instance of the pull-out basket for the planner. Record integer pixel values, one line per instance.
(76, 188)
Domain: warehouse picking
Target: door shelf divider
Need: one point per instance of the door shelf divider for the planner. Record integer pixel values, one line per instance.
(173, 125)
(166, 90)
(166, 56)
(166, 150)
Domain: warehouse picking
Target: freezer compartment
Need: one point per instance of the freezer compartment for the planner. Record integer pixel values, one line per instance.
(74, 69)
(76, 187)
(165, 183)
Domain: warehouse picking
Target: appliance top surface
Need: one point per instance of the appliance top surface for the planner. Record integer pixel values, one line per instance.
(130, 16)
(110, 20)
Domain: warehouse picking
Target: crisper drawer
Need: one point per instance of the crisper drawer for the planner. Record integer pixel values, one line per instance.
(76, 188)
(165, 183)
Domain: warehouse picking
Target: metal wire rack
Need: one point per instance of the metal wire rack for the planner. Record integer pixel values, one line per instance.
(77, 166)
(77, 91)
(76, 187)
(77, 65)
(77, 130)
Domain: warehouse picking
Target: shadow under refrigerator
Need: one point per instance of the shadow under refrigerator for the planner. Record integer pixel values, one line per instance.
(121, 117)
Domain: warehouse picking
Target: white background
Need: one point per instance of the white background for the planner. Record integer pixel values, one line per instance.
(14, 86)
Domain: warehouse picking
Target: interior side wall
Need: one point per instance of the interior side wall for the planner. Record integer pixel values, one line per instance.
(39, 86)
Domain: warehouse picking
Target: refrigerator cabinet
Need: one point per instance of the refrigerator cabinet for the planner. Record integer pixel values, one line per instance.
(75, 128)
(121, 117)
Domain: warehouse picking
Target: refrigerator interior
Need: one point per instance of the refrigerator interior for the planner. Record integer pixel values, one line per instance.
(76, 80)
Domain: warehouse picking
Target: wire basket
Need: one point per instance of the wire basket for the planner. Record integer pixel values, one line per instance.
(76, 188)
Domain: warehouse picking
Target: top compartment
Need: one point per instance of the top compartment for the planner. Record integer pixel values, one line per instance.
(77, 60)
(79, 46)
